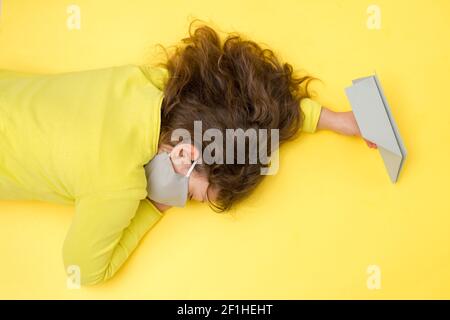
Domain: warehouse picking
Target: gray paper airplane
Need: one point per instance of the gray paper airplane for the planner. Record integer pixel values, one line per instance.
(376, 122)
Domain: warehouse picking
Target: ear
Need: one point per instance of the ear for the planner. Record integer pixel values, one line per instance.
(183, 154)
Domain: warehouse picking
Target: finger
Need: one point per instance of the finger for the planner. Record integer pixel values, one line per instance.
(371, 144)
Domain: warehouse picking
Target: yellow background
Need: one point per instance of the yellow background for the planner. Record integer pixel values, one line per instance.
(312, 230)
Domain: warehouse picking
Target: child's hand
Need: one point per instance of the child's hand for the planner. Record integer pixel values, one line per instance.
(342, 123)
(349, 126)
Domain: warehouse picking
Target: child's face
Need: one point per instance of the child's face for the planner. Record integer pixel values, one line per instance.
(198, 186)
(181, 156)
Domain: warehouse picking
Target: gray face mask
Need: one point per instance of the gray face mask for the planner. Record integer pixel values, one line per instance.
(164, 184)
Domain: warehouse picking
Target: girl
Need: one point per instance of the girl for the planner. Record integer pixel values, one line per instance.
(102, 139)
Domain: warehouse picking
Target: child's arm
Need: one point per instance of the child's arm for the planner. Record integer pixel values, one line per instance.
(340, 122)
(105, 230)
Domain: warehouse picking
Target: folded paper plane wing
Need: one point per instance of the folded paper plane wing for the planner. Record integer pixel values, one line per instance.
(376, 123)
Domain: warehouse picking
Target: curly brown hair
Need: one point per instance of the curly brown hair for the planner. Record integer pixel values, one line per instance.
(229, 85)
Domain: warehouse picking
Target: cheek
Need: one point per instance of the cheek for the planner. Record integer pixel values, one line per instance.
(198, 188)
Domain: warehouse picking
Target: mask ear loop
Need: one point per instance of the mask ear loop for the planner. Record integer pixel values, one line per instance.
(191, 168)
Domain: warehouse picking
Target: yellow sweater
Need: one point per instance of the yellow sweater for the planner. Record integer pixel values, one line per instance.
(82, 138)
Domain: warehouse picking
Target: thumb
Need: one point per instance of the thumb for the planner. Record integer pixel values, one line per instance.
(370, 144)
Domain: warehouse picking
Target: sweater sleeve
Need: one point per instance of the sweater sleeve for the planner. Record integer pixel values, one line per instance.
(311, 109)
(103, 234)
